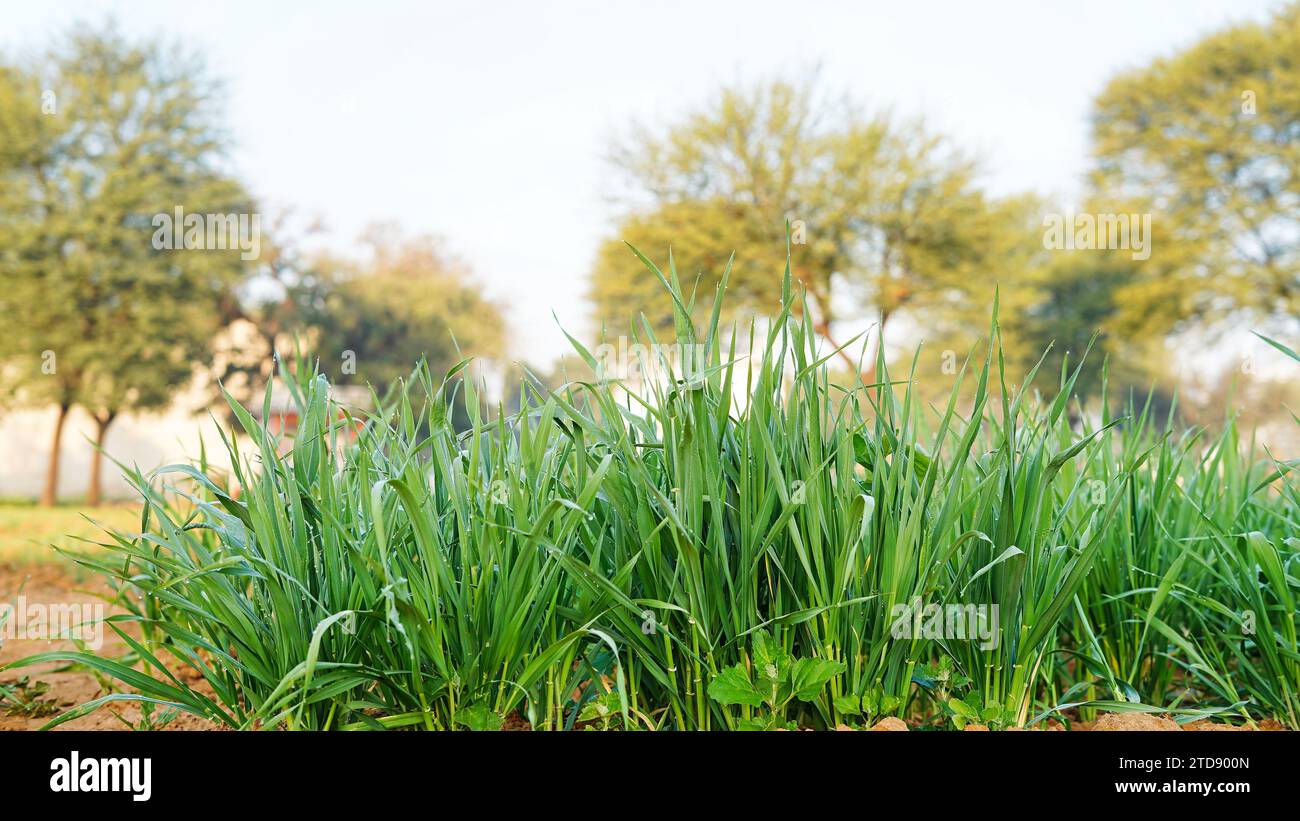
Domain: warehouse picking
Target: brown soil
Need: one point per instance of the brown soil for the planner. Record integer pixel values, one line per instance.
(1209, 726)
(50, 690)
(1119, 722)
(1139, 721)
(516, 723)
(890, 724)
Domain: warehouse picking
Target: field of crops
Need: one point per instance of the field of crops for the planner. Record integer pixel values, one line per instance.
(741, 544)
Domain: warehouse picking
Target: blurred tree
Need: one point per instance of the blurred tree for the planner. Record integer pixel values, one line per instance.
(266, 320)
(885, 209)
(1208, 142)
(120, 132)
(372, 322)
(1077, 298)
(31, 228)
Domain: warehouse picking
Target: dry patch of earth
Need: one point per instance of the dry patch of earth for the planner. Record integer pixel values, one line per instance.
(33, 695)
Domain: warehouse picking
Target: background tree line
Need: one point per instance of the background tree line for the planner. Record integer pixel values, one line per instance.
(98, 136)
(898, 226)
(101, 133)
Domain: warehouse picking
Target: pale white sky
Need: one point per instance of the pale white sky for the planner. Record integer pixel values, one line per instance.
(486, 122)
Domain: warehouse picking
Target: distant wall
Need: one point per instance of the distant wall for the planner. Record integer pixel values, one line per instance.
(147, 440)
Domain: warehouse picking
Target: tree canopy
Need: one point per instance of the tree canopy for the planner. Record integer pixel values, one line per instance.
(888, 216)
(1208, 142)
(123, 132)
(409, 300)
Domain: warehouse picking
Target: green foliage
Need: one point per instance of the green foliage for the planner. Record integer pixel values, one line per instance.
(724, 546)
(603, 710)
(27, 698)
(1205, 141)
(882, 206)
(407, 302)
(869, 705)
(133, 136)
(478, 717)
(776, 680)
(109, 322)
(1076, 307)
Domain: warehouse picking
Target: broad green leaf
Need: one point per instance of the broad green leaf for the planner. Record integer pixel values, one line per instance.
(732, 686)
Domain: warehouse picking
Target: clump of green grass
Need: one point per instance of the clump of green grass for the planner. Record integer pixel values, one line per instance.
(726, 546)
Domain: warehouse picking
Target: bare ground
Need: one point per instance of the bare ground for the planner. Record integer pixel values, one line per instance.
(46, 690)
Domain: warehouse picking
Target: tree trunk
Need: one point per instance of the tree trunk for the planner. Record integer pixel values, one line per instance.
(822, 327)
(868, 374)
(822, 317)
(50, 494)
(823, 330)
(93, 490)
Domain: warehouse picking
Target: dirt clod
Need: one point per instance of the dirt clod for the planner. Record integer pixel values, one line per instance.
(1121, 722)
(890, 724)
(45, 690)
(1205, 725)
